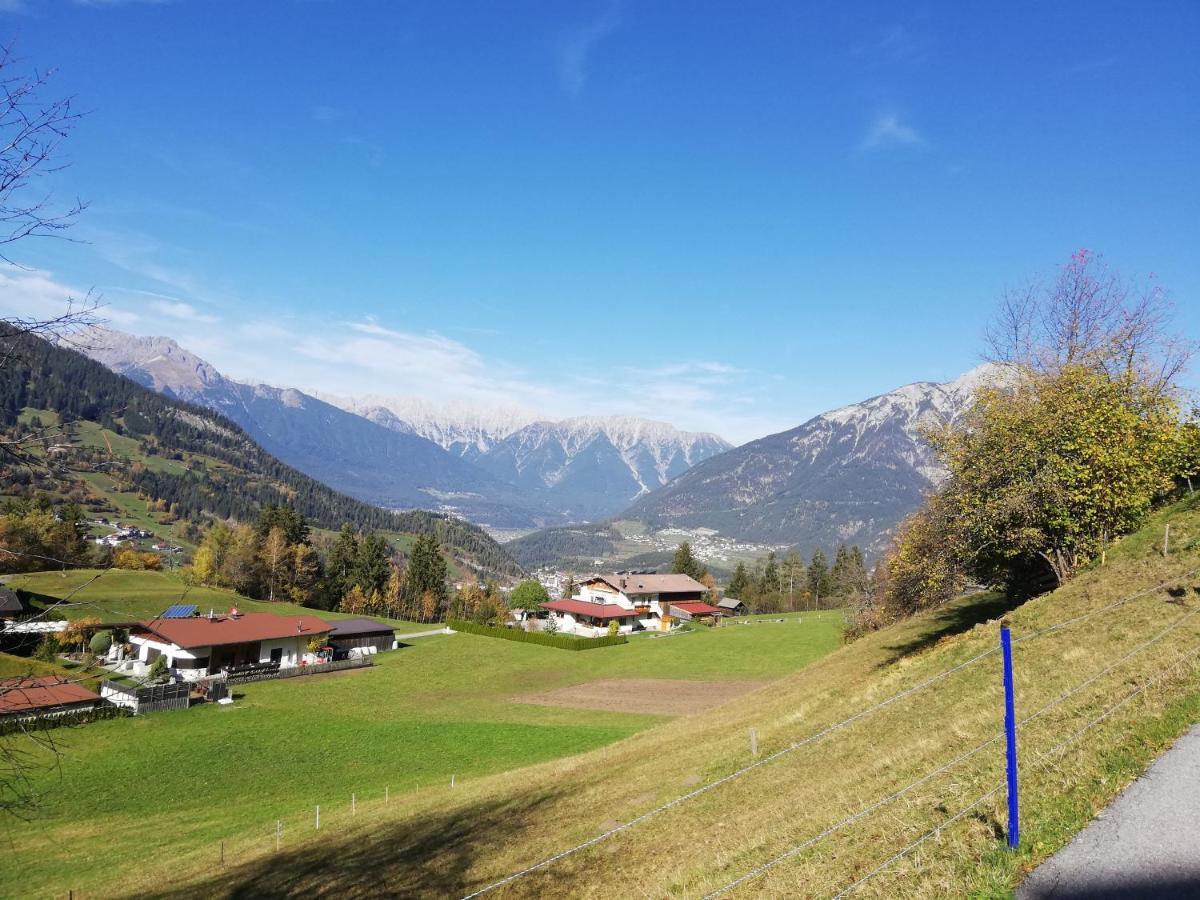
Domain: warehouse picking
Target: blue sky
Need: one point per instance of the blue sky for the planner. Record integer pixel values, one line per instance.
(727, 216)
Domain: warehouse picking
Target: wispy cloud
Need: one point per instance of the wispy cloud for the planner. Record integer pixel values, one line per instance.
(178, 309)
(33, 293)
(372, 152)
(574, 48)
(1088, 66)
(326, 114)
(896, 45)
(890, 131)
(364, 356)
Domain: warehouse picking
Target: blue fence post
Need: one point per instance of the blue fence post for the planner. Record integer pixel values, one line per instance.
(1010, 734)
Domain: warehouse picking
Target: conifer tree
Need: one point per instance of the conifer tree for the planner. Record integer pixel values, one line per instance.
(738, 583)
(819, 582)
(685, 563)
(770, 576)
(425, 581)
(373, 563)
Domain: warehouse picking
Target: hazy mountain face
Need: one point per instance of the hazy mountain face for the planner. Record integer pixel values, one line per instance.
(499, 467)
(847, 475)
(385, 466)
(586, 467)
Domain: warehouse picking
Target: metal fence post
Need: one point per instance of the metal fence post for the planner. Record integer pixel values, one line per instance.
(1010, 734)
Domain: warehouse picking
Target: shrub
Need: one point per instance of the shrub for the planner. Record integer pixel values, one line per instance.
(528, 595)
(47, 649)
(158, 668)
(614, 627)
(561, 641)
(101, 642)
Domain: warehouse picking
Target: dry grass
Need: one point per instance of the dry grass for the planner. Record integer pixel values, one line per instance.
(443, 842)
(656, 696)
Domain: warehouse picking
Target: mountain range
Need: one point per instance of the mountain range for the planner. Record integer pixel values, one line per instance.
(850, 474)
(502, 468)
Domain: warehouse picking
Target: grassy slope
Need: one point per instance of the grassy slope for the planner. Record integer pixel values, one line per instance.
(121, 596)
(441, 706)
(14, 666)
(440, 842)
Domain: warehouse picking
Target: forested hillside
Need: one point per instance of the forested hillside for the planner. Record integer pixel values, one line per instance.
(189, 460)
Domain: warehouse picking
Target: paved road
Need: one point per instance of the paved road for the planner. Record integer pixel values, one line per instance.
(416, 634)
(1147, 844)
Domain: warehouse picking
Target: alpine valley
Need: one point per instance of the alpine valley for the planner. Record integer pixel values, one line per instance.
(503, 469)
(849, 475)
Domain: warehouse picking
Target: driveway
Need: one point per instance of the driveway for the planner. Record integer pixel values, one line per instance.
(1146, 844)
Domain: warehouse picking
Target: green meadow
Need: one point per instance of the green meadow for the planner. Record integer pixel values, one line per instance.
(442, 706)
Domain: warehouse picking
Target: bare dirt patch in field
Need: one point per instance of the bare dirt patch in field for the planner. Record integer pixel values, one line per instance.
(658, 696)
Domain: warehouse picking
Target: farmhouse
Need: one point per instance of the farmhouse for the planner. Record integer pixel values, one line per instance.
(636, 601)
(45, 695)
(206, 645)
(361, 636)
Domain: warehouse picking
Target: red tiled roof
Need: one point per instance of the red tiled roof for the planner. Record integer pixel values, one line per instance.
(204, 632)
(21, 694)
(697, 609)
(596, 610)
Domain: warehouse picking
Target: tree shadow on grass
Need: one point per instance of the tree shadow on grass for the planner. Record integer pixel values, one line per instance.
(955, 619)
(427, 856)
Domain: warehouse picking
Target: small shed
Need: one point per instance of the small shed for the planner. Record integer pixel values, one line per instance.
(44, 695)
(697, 610)
(732, 606)
(10, 604)
(349, 634)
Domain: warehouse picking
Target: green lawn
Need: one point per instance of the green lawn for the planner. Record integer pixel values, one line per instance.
(121, 596)
(15, 666)
(441, 706)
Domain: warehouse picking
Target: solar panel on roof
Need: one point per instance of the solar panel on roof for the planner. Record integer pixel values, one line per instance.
(179, 611)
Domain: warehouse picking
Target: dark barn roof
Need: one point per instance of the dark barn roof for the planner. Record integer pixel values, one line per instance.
(9, 602)
(353, 627)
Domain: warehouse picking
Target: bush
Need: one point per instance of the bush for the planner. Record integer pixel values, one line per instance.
(528, 595)
(47, 649)
(561, 641)
(158, 668)
(101, 642)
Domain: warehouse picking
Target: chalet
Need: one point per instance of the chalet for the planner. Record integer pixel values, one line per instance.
(44, 695)
(197, 646)
(636, 601)
(732, 606)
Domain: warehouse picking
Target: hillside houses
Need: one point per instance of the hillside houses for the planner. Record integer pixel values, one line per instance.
(199, 646)
(636, 601)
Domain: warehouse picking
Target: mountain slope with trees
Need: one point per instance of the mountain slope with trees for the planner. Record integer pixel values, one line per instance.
(191, 461)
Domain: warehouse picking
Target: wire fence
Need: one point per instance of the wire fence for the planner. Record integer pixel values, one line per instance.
(825, 732)
(940, 770)
(1041, 760)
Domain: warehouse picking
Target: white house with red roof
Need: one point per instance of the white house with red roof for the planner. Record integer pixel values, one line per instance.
(198, 646)
(636, 601)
